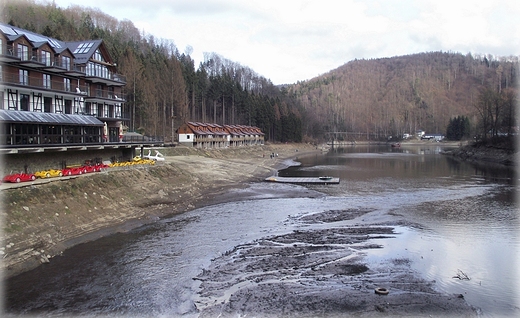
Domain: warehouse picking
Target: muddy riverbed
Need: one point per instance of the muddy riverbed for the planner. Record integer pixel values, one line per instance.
(405, 221)
(320, 272)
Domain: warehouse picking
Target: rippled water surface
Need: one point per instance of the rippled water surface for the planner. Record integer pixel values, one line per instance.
(459, 218)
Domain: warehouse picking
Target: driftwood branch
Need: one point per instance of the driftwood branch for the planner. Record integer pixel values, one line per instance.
(461, 275)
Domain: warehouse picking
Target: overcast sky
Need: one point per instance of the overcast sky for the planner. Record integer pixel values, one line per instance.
(289, 41)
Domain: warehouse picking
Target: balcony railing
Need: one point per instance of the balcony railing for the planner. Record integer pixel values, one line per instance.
(78, 68)
(106, 94)
(61, 86)
(143, 139)
(209, 139)
(9, 50)
(104, 74)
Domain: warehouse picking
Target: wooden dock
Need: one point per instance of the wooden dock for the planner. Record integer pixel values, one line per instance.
(303, 180)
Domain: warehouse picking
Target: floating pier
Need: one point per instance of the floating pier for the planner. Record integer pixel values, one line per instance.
(304, 180)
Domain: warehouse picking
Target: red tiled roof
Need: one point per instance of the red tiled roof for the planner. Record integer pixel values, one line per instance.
(215, 129)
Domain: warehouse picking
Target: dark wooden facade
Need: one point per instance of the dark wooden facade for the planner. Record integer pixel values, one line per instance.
(43, 75)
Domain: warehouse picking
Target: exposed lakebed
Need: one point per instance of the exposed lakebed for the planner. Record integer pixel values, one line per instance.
(405, 221)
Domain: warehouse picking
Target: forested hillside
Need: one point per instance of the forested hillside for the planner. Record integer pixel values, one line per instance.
(391, 96)
(162, 82)
(363, 99)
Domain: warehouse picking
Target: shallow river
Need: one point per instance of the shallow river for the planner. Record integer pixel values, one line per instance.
(461, 219)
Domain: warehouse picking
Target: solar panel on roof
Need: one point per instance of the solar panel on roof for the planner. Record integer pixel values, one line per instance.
(83, 47)
(80, 46)
(31, 36)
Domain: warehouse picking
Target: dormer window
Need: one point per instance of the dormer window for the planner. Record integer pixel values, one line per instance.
(46, 58)
(65, 62)
(23, 52)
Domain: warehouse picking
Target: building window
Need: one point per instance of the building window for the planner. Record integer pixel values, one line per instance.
(51, 134)
(68, 106)
(66, 84)
(99, 90)
(117, 110)
(72, 134)
(92, 134)
(100, 110)
(23, 52)
(25, 134)
(24, 77)
(24, 102)
(83, 47)
(94, 69)
(65, 62)
(97, 56)
(47, 81)
(46, 58)
(47, 104)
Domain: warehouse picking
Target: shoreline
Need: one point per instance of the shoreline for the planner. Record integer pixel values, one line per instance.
(190, 179)
(43, 219)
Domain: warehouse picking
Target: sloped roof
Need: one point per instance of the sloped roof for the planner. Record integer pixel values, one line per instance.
(241, 130)
(81, 50)
(18, 116)
(215, 129)
(13, 33)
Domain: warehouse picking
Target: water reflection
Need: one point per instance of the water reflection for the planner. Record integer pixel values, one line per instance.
(474, 231)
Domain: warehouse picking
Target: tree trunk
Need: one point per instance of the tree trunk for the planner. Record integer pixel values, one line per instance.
(223, 111)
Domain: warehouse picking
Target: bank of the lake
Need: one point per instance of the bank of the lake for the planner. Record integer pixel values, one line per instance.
(503, 151)
(42, 219)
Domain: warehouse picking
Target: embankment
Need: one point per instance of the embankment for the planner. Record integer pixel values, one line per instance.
(503, 151)
(40, 220)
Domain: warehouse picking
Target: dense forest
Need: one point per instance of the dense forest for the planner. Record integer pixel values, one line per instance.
(392, 96)
(161, 82)
(363, 99)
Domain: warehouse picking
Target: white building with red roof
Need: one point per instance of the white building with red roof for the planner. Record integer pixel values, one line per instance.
(208, 135)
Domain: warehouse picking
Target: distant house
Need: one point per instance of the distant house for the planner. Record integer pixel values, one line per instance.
(208, 135)
(436, 137)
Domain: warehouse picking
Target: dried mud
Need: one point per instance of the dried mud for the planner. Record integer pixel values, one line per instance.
(320, 272)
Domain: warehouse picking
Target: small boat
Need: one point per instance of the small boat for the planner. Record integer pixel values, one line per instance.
(396, 145)
(325, 178)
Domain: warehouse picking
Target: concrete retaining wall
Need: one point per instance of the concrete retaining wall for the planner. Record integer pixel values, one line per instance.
(32, 162)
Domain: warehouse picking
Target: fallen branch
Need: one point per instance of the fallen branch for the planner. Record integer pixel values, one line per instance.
(461, 275)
